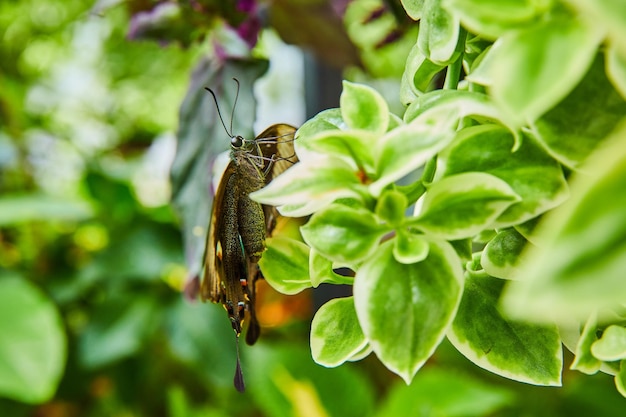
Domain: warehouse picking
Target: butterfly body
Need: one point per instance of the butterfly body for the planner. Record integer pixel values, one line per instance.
(238, 225)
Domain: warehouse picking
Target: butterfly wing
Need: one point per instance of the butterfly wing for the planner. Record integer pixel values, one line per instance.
(276, 146)
(211, 287)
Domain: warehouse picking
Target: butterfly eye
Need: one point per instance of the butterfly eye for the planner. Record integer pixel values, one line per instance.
(236, 142)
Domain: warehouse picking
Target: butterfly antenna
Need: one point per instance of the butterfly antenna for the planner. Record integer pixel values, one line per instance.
(217, 106)
(232, 112)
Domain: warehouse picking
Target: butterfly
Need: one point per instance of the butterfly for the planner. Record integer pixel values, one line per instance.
(239, 226)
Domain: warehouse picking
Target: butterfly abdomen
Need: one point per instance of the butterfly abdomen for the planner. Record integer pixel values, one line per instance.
(252, 231)
(252, 218)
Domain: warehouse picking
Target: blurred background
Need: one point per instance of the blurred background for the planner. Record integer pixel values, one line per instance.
(92, 263)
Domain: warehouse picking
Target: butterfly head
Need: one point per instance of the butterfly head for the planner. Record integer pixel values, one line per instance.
(239, 143)
(236, 142)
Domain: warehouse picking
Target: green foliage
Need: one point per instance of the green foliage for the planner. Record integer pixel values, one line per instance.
(33, 346)
(482, 224)
(526, 98)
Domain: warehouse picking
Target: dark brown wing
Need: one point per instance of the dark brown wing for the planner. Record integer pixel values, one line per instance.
(276, 144)
(211, 287)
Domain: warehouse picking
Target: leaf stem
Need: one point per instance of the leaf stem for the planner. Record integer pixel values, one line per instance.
(453, 74)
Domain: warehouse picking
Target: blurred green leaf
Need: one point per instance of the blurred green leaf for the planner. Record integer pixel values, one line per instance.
(391, 207)
(584, 360)
(277, 372)
(620, 378)
(442, 392)
(452, 104)
(439, 32)
(608, 15)
(616, 68)
(409, 248)
(532, 69)
(201, 337)
(15, 209)
(579, 123)
(493, 18)
(117, 329)
(382, 35)
(612, 345)
(418, 76)
(579, 267)
(33, 342)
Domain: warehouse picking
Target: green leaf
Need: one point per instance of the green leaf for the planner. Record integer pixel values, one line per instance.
(533, 69)
(405, 310)
(344, 234)
(414, 8)
(362, 354)
(453, 104)
(408, 147)
(391, 207)
(355, 146)
(461, 206)
(335, 333)
(500, 257)
(321, 271)
(409, 248)
(117, 329)
(364, 108)
(438, 34)
(608, 15)
(285, 265)
(516, 350)
(382, 46)
(584, 361)
(442, 392)
(527, 229)
(575, 127)
(323, 121)
(417, 76)
(15, 209)
(463, 248)
(493, 18)
(310, 185)
(33, 342)
(616, 68)
(620, 378)
(579, 267)
(532, 174)
(612, 345)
